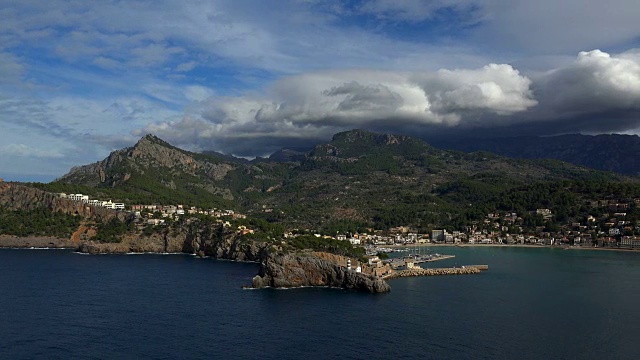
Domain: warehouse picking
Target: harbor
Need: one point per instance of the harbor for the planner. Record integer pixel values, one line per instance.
(409, 265)
(415, 257)
(414, 260)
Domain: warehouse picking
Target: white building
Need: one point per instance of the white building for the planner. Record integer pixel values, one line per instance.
(95, 202)
(437, 235)
(76, 197)
(155, 221)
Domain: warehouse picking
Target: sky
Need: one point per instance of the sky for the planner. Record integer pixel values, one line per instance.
(79, 79)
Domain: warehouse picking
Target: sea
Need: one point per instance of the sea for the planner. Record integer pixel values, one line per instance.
(532, 303)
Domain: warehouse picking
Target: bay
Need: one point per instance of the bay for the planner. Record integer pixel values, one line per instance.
(532, 304)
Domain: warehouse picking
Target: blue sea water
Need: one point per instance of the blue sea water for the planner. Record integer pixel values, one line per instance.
(531, 304)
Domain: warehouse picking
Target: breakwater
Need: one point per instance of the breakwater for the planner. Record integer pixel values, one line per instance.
(475, 269)
(418, 259)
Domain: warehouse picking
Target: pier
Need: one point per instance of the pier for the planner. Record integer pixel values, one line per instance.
(412, 261)
(418, 271)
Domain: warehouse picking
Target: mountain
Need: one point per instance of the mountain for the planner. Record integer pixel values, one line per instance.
(616, 153)
(289, 155)
(359, 177)
(155, 171)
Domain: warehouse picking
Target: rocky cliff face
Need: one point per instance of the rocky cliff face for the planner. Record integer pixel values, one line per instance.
(276, 269)
(216, 243)
(296, 270)
(149, 153)
(19, 197)
(194, 238)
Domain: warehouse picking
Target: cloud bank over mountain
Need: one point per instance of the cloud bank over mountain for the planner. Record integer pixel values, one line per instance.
(81, 78)
(572, 98)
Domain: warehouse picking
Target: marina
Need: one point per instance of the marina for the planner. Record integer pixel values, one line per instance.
(414, 258)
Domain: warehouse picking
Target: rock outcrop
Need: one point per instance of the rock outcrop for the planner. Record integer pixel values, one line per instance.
(297, 270)
(195, 238)
(218, 242)
(15, 196)
(9, 241)
(153, 155)
(157, 243)
(277, 269)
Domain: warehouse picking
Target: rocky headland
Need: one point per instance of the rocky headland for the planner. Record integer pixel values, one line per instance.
(306, 269)
(278, 268)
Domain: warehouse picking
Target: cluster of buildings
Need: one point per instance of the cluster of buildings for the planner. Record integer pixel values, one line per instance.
(613, 226)
(158, 214)
(93, 202)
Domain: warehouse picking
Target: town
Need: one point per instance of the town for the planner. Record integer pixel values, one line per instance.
(612, 227)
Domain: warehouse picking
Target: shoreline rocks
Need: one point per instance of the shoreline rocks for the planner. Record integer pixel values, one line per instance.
(9, 241)
(301, 270)
(277, 269)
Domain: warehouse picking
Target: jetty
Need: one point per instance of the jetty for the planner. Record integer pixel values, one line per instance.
(418, 271)
(411, 261)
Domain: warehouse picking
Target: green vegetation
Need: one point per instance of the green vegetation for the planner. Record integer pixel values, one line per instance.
(310, 242)
(144, 189)
(38, 222)
(361, 180)
(111, 231)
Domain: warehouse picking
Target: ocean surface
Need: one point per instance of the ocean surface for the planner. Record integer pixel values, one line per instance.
(531, 304)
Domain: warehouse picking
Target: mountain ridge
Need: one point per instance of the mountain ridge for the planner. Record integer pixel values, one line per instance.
(359, 176)
(606, 152)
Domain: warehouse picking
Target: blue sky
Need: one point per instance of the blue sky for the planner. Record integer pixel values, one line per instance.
(79, 79)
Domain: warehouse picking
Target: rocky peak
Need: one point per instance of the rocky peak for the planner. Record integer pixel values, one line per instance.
(369, 138)
(353, 135)
(151, 139)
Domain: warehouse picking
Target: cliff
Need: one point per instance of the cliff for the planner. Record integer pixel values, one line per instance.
(15, 196)
(296, 270)
(195, 238)
(276, 269)
(154, 166)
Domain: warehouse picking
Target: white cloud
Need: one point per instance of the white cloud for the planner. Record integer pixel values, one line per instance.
(596, 91)
(197, 93)
(413, 10)
(73, 118)
(347, 64)
(107, 63)
(595, 82)
(23, 150)
(320, 104)
(11, 69)
(497, 88)
(285, 37)
(187, 66)
(556, 27)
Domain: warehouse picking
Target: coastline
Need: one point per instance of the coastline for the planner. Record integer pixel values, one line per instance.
(43, 242)
(514, 246)
(38, 242)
